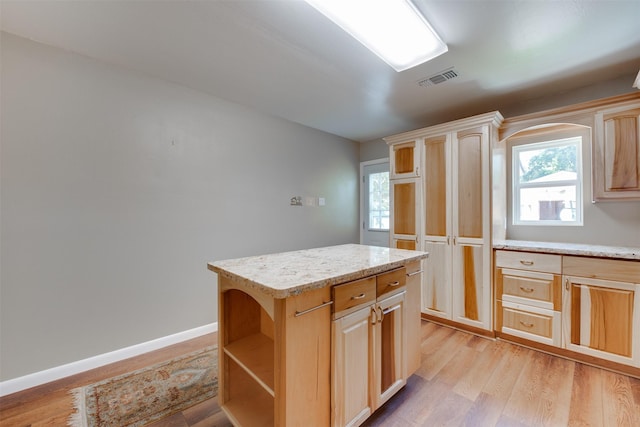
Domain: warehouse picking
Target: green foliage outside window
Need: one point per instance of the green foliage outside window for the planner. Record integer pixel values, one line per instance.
(550, 160)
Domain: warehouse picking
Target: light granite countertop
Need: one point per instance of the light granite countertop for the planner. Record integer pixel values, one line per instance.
(600, 251)
(285, 274)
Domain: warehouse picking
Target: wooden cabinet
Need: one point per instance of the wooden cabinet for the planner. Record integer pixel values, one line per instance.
(581, 307)
(405, 213)
(405, 160)
(267, 351)
(616, 153)
(370, 339)
(298, 346)
(457, 223)
(529, 296)
(601, 308)
(454, 216)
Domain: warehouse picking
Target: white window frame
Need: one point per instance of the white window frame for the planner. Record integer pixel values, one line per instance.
(516, 185)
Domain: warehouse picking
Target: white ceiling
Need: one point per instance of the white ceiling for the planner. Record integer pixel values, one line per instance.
(284, 58)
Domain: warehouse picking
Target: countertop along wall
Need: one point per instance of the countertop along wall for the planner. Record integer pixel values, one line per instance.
(118, 189)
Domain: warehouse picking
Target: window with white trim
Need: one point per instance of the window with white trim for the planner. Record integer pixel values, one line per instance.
(547, 182)
(379, 201)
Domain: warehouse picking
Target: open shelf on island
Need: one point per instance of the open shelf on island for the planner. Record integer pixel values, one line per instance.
(254, 354)
(248, 404)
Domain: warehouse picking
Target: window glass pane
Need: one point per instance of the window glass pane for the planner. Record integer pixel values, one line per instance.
(547, 182)
(547, 164)
(379, 201)
(548, 203)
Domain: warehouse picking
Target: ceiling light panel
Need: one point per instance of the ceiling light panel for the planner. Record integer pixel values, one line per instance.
(392, 29)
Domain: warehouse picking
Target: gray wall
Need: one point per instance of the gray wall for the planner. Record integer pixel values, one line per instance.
(117, 189)
(374, 150)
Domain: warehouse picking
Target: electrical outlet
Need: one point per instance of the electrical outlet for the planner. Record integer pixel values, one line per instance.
(296, 201)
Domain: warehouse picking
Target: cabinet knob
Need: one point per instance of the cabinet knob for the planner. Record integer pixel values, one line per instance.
(525, 262)
(393, 284)
(358, 296)
(527, 290)
(526, 324)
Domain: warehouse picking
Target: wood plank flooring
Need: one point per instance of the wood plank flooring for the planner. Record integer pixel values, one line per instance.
(464, 380)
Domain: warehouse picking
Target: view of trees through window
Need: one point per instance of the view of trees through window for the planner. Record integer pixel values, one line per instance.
(547, 183)
(550, 161)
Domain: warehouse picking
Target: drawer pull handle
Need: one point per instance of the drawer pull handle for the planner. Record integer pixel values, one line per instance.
(358, 296)
(414, 273)
(394, 284)
(526, 324)
(309, 310)
(527, 290)
(525, 262)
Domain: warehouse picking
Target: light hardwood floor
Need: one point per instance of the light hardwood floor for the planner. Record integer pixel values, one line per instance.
(464, 380)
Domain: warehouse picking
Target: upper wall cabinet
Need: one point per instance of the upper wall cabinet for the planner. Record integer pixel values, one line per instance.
(405, 160)
(616, 153)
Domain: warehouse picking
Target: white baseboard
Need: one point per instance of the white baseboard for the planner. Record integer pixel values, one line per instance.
(53, 374)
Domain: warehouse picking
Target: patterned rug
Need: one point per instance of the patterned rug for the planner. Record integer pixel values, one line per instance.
(139, 397)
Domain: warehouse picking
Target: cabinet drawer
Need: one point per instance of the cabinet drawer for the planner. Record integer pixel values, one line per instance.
(391, 282)
(529, 285)
(529, 261)
(349, 297)
(602, 268)
(531, 323)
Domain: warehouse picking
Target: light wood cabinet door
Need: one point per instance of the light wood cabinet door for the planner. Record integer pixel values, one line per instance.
(438, 230)
(436, 281)
(405, 221)
(616, 154)
(405, 160)
(601, 318)
(471, 301)
(350, 368)
(389, 344)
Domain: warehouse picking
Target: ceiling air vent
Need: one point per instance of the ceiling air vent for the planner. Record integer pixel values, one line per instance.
(441, 77)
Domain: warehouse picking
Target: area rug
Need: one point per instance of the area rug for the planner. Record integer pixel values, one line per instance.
(148, 394)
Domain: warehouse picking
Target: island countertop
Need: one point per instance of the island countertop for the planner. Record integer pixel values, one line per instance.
(285, 274)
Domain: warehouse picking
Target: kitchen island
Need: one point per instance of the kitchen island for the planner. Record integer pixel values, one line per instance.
(316, 337)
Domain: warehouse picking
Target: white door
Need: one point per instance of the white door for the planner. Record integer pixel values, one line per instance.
(374, 203)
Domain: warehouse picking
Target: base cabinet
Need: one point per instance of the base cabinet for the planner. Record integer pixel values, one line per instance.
(601, 308)
(369, 350)
(588, 306)
(267, 352)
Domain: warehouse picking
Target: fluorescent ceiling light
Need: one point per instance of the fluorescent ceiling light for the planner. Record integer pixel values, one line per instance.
(392, 29)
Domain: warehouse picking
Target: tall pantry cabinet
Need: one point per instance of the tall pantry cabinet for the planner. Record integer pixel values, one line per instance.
(449, 192)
